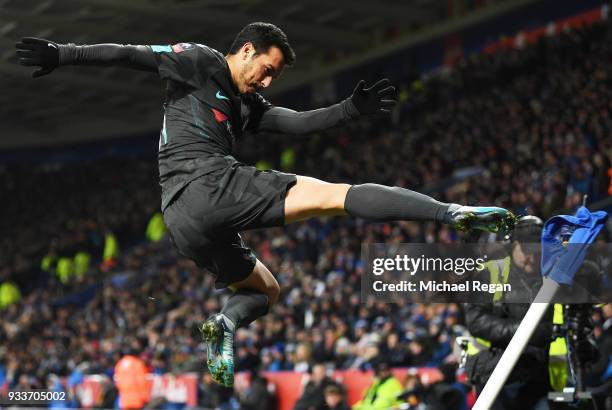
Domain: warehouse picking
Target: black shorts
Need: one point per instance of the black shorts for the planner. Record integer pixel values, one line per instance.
(204, 219)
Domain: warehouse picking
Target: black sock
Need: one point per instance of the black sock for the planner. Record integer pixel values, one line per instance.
(244, 306)
(383, 203)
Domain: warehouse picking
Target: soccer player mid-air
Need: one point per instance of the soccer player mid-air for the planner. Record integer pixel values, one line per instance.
(208, 197)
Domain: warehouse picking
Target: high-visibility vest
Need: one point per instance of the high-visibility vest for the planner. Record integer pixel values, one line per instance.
(557, 363)
(381, 395)
(263, 165)
(156, 229)
(47, 262)
(9, 294)
(494, 267)
(111, 247)
(64, 269)
(81, 263)
(287, 159)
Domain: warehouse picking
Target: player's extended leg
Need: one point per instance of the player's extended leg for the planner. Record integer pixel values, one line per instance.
(311, 197)
(252, 298)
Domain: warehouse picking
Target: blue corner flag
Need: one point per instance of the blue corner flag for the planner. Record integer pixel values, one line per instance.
(565, 240)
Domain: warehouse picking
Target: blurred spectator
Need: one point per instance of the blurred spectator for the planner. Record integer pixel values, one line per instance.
(413, 390)
(334, 399)
(395, 352)
(601, 370)
(156, 229)
(212, 395)
(446, 394)
(24, 383)
(9, 294)
(257, 396)
(130, 378)
(313, 397)
(109, 394)
(383, 393)
(54, 384)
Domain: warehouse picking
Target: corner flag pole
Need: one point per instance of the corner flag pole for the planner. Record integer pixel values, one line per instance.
(517, 345)
(559, 267)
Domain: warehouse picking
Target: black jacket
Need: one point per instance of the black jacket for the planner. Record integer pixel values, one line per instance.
(497, 323)
(313, 396)
(258, 397)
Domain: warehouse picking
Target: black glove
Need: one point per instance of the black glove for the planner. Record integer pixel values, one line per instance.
(38, 52)
(379, 98)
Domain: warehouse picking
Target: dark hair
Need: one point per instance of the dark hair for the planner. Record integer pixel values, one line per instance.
(449, 372)
(381, 366)
(263, 36)
(333, 389)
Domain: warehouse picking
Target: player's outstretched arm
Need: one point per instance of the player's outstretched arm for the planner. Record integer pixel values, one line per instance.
(48, 55)
(377, 99)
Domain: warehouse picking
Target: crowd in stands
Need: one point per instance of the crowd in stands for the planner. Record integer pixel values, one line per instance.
(537, 122)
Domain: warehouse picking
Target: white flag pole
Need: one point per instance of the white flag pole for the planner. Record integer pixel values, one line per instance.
(517, 345)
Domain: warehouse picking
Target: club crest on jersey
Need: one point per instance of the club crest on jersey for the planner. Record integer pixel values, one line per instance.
(177, 48)
(219, 116)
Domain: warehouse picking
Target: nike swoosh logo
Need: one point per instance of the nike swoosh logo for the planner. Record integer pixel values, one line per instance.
(51, 45)
(221, 96)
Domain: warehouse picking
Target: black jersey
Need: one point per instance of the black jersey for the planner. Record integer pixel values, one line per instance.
(204, 113)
